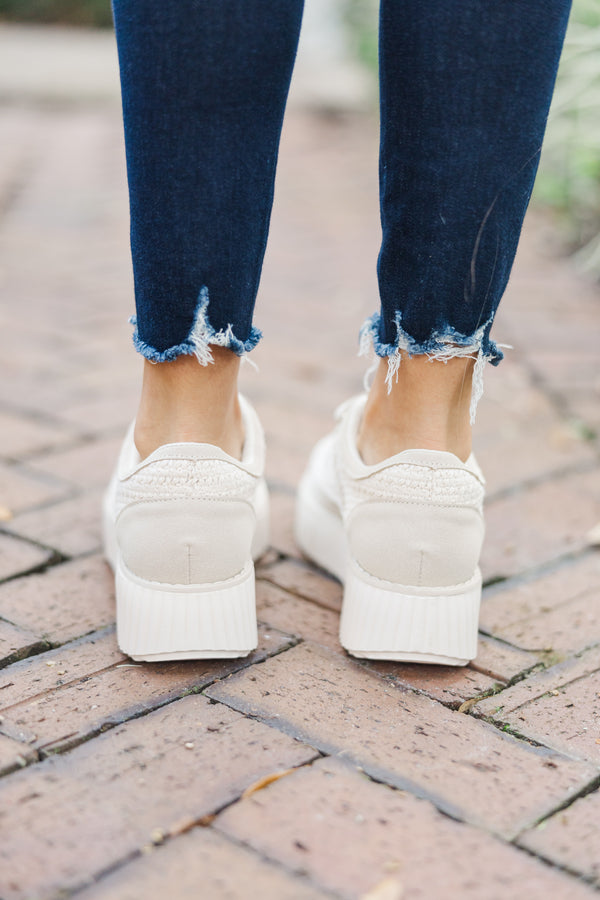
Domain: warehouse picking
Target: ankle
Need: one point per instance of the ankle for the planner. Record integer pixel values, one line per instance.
(427, 408)
(184, 401)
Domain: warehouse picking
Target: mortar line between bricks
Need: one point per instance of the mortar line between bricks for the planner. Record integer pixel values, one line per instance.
(59, 688)
(40, 475)
(36, 416)
(48, 648)
(37, 457)
(296, 593)
(547, 690)
(589, 880)
(276, 862)
(499, 838)
(63, 748)
(56, 558)
(204, 822)
(496, 585)
(555, 475)
(380, 776)
(505, 841)
(560, 403)
(40, 646)
(525, 619)
(72, 492)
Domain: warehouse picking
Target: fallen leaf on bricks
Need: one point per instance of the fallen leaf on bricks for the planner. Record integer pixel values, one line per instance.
(466, 706)
(265, 781)
(388, 889)
(182, 826)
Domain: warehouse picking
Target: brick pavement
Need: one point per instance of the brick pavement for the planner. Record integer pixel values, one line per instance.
(124, 780)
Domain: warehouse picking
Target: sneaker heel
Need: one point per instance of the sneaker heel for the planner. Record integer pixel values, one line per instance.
(409, 624)
(168, 621)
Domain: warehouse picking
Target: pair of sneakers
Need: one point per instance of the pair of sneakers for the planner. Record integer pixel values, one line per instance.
(183, 527)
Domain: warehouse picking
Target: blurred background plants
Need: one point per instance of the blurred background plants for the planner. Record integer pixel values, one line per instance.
(94, 13)
(569, 176)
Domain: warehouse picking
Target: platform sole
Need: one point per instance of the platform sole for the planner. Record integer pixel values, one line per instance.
(385, 620)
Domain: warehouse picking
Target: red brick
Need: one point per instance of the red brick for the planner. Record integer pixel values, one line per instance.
(64, 602)
(307, 620)
(405, 739)
(567, 719)
(305, 580)
(16, 643)
(539, 683)
(13, 755)
(72, 526)
(297, 616)
(201, 863)
(87, 465)
(517, 422)
(78, 707)
(17, 556)
(24, 436)
(524, 530)
(350, 835)
(54, 669)
(501, 661)
(570, 837)
(21, 488)
(559, 611)
(447, 684)
(180, 763)
(282, 521)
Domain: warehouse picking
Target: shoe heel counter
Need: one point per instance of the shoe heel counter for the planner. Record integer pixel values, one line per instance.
(416, 544)
(186, 542)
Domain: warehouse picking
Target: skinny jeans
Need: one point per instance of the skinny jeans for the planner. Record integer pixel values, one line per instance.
(465, 88)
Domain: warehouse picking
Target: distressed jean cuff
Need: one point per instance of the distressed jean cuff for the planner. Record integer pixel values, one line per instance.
(440, 346)
(200, 339)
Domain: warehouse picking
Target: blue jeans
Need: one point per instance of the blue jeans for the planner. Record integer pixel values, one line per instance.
(465, 90)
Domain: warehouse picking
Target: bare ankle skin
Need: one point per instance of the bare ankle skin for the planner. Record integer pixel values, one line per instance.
(427, 408)
(184, 401)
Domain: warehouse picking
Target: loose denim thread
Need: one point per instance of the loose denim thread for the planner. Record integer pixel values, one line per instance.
(440, 347)
(198, 342)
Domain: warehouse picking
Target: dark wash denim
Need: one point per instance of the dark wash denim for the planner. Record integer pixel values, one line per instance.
(465, 90)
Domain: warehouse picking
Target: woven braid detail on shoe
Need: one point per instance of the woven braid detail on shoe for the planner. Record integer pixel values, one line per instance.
(182, 479)
(413, 484)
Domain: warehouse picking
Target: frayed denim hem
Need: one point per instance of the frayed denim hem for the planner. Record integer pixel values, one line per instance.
(202, 335)
(441, 346)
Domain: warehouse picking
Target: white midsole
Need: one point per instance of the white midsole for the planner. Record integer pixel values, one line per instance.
(380, 619)
(158, 621)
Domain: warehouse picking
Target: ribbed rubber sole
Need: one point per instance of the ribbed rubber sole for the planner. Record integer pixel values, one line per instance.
(167, 621)
(380, 619)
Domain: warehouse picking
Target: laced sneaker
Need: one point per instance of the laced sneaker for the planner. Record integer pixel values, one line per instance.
(181, 530)
(404, 536)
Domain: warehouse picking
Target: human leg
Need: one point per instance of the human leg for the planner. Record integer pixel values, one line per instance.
(392, 501)
(204, 85)
(465, 92)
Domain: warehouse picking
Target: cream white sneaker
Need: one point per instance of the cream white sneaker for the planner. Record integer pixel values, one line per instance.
(404, 536)
(181, 530)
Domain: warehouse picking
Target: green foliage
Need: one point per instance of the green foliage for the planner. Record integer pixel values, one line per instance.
(73, 12)
(360, 17)
(569, 176)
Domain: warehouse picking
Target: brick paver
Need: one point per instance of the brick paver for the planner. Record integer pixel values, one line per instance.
(352, 835)
(405, 739)
(123, 780)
